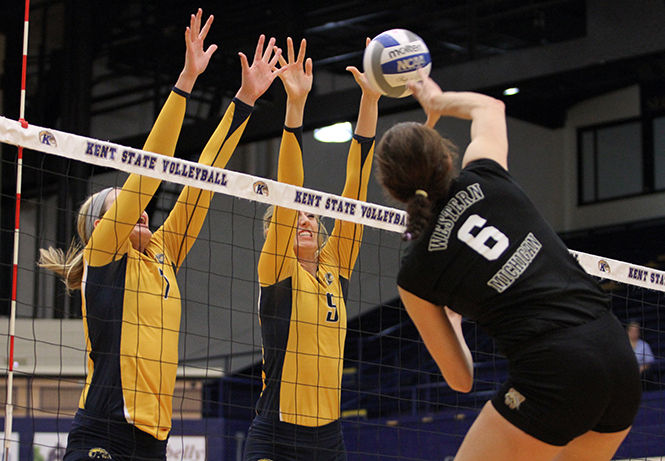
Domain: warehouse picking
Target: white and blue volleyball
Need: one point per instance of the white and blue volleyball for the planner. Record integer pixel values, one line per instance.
(393, 58)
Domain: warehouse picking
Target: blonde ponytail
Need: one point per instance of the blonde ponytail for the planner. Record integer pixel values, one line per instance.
(69, 266)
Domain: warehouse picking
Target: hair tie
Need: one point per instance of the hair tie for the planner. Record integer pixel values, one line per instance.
(421, 192)
(406, 236)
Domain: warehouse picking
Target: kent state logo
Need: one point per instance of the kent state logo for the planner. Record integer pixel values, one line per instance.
(98, 453)
(604, 266)
(47, 138)
(261, 188)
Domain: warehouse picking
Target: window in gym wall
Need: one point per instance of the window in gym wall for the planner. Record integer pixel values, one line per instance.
(659, 152)
(611, 162)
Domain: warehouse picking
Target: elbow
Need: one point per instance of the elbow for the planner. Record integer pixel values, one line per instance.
(497, 105)
(464, 386)
(489, 108)
(461, 382)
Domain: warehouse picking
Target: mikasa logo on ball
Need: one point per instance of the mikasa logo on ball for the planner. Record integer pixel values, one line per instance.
(402, 50)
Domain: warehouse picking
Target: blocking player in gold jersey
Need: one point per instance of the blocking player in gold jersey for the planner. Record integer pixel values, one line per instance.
(304, 280)
(127, 275)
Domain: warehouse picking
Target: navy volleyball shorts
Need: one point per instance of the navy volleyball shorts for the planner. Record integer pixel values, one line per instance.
(570, 381)
(98, 438)
(270, 440)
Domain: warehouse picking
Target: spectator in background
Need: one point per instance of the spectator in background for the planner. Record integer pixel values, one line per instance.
(642, 349)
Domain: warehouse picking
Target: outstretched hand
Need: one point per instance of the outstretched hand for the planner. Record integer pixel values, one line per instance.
(258, 77)
(297, 74)
(362, 80)
(196, 58)
(425, 91)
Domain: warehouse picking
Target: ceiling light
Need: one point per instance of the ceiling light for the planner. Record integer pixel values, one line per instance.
(511, 91)
(339, 132)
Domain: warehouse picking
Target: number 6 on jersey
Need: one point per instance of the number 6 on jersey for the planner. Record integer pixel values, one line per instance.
(479, 242)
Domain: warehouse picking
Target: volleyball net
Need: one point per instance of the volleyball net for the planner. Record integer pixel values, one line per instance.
(394, 402)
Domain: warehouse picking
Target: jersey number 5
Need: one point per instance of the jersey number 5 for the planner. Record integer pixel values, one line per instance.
(332, 309)
(486, 235)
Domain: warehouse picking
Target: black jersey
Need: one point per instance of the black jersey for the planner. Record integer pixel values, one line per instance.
(490, 256)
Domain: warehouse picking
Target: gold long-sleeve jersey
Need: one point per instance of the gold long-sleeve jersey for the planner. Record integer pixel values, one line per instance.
(130, 300)
(303, 317)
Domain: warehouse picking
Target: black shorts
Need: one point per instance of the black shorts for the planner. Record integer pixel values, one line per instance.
(571, 381)
(98, 438)
(272, 440)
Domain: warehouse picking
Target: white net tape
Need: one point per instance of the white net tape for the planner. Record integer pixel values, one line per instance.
(131, 160)
(189, 173)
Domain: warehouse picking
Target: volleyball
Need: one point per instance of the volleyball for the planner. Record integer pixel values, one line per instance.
(393, 58)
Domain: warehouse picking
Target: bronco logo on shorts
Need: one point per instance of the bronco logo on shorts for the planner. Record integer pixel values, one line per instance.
(513, 399)
(98, 453)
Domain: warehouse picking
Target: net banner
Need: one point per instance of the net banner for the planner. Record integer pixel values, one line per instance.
(131, 160)
(621, 271)
(185, 172)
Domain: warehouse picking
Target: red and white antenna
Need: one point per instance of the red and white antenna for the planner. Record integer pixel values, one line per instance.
(9, 406)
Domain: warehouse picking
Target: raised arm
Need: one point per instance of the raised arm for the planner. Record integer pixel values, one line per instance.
(368, 113)
(277, 253)
(346, 236)
(441, 331)
(489, 138)
(110, 239)
(184, 223)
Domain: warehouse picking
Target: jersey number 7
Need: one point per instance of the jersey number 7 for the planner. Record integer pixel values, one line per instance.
(168, 284)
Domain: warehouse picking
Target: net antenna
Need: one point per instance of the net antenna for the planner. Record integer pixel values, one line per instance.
(9, 406)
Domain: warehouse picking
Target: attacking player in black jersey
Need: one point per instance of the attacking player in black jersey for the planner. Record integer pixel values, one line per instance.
(481, 250)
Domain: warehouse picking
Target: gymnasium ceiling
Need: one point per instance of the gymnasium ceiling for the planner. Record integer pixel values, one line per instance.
(559, 52)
